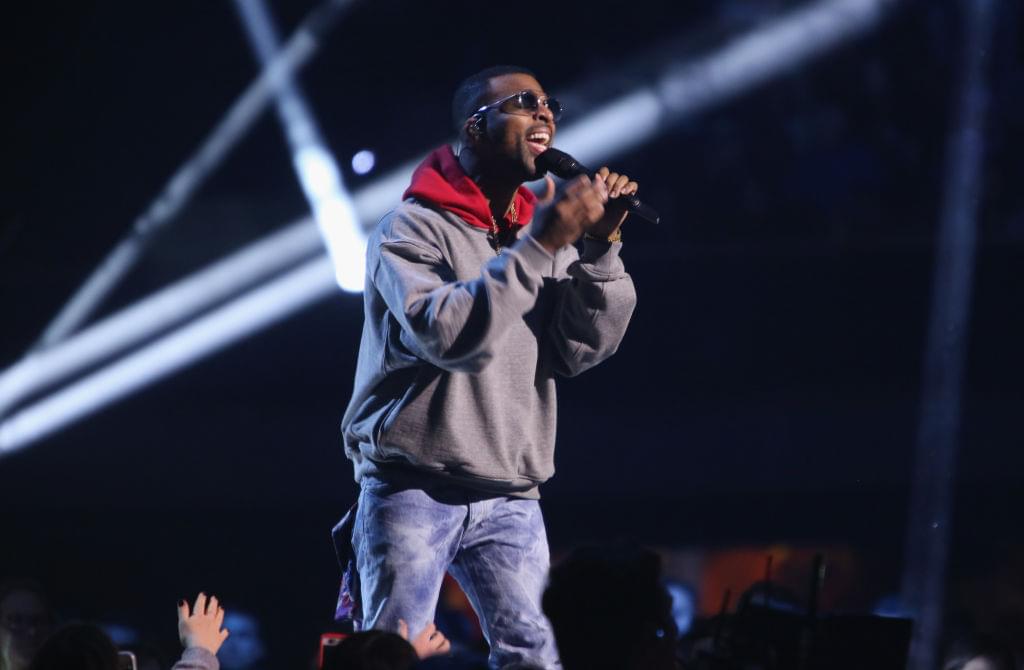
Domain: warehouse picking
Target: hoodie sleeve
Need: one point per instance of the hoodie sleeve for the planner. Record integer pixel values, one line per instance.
(454, 325)
(197, 658)
(595, 304)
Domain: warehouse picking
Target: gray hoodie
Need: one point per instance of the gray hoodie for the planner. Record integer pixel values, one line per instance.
(460, 348)
(197, 658)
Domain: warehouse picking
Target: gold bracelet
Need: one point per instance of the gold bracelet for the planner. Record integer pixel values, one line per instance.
(614, 237)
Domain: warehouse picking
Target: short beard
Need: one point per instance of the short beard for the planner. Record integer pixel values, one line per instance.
(508, 170)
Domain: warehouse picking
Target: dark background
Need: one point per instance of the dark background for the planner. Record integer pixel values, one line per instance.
(767, 391)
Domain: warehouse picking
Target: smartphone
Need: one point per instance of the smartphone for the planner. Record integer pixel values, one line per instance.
(328, 642)
(126, 661)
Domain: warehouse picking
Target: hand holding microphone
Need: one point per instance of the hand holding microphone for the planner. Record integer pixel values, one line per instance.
(594, 203)
(577, 210)
(565, 166)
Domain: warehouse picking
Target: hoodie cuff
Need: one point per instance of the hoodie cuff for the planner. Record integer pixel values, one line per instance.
(197, 658)
(604, 256)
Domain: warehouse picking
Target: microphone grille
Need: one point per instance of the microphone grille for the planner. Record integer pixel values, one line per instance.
(558, 162)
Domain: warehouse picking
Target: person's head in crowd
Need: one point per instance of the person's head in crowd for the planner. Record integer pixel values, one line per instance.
(372, 650)
(25, 621)
(77, 646)
(461, 660)
(609, 609)
(978, 652)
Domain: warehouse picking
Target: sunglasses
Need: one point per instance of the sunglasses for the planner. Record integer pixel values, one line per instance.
(526, 101)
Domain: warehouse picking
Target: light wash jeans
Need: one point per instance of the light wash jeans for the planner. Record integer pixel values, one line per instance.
(405, 539)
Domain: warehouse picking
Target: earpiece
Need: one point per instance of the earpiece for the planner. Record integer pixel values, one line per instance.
(479, 125)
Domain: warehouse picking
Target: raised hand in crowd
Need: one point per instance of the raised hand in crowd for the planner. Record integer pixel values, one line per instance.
(430, 641)
(201, 633)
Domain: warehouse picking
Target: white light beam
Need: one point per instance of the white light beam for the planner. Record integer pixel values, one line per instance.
(317, 171)
(254, 311)
(616, 127)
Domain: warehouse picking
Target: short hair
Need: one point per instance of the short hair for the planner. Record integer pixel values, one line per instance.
(595, 588)
(77, 646)
(469, 94)
(372, 650)
(16, 584)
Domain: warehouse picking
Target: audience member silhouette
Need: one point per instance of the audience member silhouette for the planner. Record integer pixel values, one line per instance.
(77, 646)
(610, 611)
(25, 621)
(381, 650)
(85, 646)
(372, 650)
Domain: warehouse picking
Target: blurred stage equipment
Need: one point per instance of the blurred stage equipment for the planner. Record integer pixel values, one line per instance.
(769, 630)
(933, 480)
(190, 319)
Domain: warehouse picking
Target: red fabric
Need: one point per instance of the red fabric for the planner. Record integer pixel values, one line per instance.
(441, 181)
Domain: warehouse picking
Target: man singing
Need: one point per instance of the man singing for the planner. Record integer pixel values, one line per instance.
(470, 314)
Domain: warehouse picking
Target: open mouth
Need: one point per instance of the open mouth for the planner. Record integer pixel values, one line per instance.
(538, 141)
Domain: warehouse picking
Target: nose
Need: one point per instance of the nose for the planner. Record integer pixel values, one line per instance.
(543, 113)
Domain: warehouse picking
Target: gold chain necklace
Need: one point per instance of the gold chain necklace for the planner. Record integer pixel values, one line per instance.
(494, 237)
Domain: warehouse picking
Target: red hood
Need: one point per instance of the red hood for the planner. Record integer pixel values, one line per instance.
(441, 181)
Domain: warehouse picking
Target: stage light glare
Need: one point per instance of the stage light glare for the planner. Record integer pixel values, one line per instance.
(345, 240)
(363, 162)
(343, 222)
(614, 128)
(259, 308)
(317, 171)
(335, 215)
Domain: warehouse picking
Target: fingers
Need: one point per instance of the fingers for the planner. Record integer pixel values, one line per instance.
(577, 209)
(549, 191)
(202, 627)
(588, 196)
(439, 644)
(576, 186)
(204, 605)
(428, 631)
(618, 184)
(579, 187)
(431, 642)
(615, 187)
(200, 606)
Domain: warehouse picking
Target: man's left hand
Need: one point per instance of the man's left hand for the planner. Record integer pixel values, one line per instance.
(614, 212)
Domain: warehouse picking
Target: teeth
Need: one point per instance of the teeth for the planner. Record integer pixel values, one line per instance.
(539, 137)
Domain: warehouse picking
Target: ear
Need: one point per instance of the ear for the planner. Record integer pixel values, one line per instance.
(476, 125)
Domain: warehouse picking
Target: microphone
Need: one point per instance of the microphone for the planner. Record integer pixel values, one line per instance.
(566, 167)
